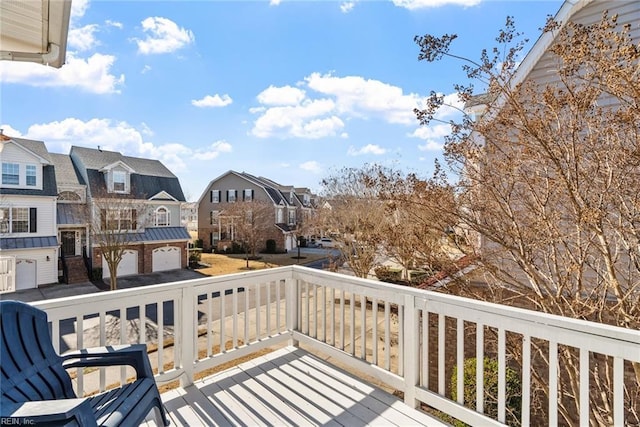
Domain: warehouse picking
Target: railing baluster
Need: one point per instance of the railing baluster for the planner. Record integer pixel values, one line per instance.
(308, 308)
(103, 334)
(79, 345)
(526, 380)
(387, 335)
(142, 332)
(584, 386)
(441, 367)
(269, 284)
(324, 314)
(160, 313)
(258, 312)
(480, 367)
(278, 302)
(332, 322)
(209, 324)
(618, 391)
(342, 317)
(352, 322)
(247, 314)
(460, 360)
(123, 340)
(374, 331)
(363, 327)
(223, 318)
(553, 383)
(401, 338)
(234, 317)
(315, 310)
(425, 349)
(502, 375)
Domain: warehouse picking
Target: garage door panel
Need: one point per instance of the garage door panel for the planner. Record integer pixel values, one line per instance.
(128, 265)
(166, 258)
(26, 274)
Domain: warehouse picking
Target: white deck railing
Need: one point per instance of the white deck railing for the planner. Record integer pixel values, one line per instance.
(408, 339)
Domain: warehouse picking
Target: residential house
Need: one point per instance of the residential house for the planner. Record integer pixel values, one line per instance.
(189, 216)
(28, 241)
(72, 221)
(217, 233)
(137, 196)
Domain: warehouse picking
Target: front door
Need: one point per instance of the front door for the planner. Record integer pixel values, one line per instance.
(68, 243)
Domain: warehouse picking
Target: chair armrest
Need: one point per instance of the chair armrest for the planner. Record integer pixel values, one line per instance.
(134, 355)
(62, 412)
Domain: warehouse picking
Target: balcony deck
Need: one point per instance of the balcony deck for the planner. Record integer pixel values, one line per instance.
(288, 387)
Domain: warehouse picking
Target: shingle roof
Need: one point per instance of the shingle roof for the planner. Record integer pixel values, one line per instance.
(36, 147)
(142, 187)
(28, 242)
(66, 173)
(98, 159)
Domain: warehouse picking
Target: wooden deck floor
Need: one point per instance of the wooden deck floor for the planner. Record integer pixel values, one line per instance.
(288, 387)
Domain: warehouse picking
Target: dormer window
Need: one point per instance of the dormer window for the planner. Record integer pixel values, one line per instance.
(119, 181)
(31, 175)
(10, 173)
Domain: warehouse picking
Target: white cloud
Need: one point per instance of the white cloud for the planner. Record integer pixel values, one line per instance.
(424, 4)
(163, 36)
(431, 145)
(145, 69)
(214, 150)
(78, 9)
(9, 131)
(367, 149)
(83, 38)
(116, 24)
(311, 166)
(274, 2)
(360, 97)
(431, 132)
(91, 75)
(212, 101)
(312, 119)
(285, 95)
(347, 6)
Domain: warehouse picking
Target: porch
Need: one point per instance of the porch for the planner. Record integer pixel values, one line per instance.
(324, 339)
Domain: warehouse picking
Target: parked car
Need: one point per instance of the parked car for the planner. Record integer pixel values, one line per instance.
(326, 242)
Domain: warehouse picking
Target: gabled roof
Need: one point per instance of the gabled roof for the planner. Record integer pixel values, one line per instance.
(33, 147)
(142, 186)
(119, 163)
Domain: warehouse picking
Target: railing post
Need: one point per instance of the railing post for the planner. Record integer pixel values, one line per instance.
(292, 307)
(185, 313)
(411, 353)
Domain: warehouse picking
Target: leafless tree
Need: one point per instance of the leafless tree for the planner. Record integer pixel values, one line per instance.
(115, 225)
(253, 222)
(549, 179)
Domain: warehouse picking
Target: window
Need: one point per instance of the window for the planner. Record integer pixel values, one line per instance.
(292, 216)
(247, 195)
(118, 219)
(279, 216)
(231, 195)
(215, 196)
(163, 218)
(69, 196)
(213, 217)
(119, 181)
(31, 175)
(18, 220)
(11, 173)
(306, 200)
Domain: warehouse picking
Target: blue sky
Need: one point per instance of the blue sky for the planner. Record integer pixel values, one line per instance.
(289, 90)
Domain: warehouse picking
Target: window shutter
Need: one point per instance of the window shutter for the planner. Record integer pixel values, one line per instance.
(227, 195)
(211, 196)
(33, 220)
(103, 219)
(235, 193)
(134, 219)
(252, 196)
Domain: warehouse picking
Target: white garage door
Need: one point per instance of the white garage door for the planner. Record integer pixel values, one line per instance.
(166, 258)
(128, 265)
(26, 274)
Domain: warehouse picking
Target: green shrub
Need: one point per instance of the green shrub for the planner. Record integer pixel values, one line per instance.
(513, 391)
(271, 246)
(198, 243)
(388, 274)
(96, 273)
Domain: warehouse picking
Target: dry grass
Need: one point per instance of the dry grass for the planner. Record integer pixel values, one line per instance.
(227, 264)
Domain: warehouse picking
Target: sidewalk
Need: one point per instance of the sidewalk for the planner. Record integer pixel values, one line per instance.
(64, 290)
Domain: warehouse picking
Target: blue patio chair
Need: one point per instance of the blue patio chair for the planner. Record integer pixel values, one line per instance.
(35, 387)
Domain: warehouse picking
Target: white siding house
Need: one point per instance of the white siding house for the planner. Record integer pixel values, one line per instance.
(27, 212)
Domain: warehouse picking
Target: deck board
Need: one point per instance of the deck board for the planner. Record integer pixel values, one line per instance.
(288, 387)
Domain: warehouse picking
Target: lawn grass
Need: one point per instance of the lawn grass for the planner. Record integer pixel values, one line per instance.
(227, 264)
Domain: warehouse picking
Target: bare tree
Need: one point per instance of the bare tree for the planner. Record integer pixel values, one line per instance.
(115, 225)
(253, 222)
(353, 213)
(549, 179)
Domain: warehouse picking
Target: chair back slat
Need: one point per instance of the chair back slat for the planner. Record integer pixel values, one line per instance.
(31, 369)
